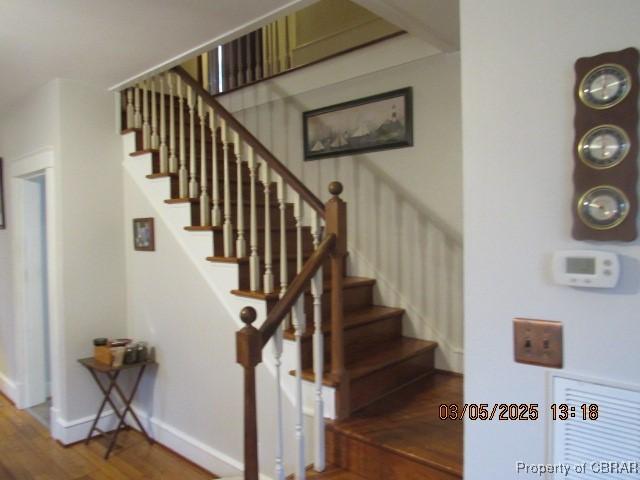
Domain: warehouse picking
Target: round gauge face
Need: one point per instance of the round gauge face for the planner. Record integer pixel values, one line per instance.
(603, 207)
(604, 146)
(605, 86)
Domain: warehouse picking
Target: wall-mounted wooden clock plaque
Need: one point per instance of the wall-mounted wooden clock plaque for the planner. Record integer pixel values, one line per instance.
(605, 175)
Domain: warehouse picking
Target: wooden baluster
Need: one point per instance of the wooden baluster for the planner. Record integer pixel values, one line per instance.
(183, 180)
(146, 128)
(267, 50)
(216, 214)
(276, 49)
(173, 159)
(129, 109)
(282, 203)
(259, 53)
(336, 219)
(137, 116)
(299, 324)
(277, 355)
(239, 62)
(267, 280)
(248, 73)
(233, 67)
(155, 143)
(287, 44)
(227, 229)
(254, 259)
(241, 242)
(298, 214)
(205, 208)
(164, 150)
(193, 183)
(318, 371)
(249, 355)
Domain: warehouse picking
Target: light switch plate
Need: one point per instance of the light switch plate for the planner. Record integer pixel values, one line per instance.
(538, 342)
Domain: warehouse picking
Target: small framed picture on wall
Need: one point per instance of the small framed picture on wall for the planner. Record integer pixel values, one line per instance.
(3, 222)
(144, 238)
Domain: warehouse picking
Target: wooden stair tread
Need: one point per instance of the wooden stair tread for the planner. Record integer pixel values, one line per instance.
(384, 355)
(406, 422)
(353, 319)
(331, 472)
(291, 256)
(349, 282)
(234, 202)
(199, 228)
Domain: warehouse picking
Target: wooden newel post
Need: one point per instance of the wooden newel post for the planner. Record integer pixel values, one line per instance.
(249, 355)
(336, 223)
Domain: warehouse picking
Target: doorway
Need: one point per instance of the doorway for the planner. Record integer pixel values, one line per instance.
(37, 371)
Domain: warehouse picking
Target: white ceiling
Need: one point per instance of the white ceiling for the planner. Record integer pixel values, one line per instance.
(107, 41)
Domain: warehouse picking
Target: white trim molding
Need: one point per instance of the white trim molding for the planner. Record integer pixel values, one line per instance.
(9, 388)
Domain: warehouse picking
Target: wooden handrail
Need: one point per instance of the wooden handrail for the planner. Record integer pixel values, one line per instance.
(283, 307)
(262, 151)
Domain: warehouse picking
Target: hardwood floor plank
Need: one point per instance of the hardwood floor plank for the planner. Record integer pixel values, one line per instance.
(27, 452)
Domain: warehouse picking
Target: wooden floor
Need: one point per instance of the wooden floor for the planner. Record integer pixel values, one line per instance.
(27, 452)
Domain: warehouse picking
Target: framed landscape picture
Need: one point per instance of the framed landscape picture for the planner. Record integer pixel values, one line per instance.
(3, 222)
(379, 122)
(144, 235)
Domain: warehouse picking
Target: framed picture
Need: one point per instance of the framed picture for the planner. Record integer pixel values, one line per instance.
(379, 122)
(3, 220)
(143, 235)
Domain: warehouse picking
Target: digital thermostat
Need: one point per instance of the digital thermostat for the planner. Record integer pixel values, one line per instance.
(586, 268)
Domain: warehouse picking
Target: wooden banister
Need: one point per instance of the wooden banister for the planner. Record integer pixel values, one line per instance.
(249, 355)
(289, 178)
(283, 307)
(336, 221)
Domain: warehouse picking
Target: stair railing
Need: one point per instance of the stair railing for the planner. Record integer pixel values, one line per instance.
(189, 156)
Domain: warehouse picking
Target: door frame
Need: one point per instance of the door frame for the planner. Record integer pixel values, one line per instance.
(22, 170)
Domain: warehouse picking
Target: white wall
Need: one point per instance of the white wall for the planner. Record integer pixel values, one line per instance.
(517, 78)
(77, 121)
(27, 126)
(405, 205)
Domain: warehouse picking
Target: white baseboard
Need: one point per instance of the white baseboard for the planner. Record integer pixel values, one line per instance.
(9, 388)
(67, 432)
(190, 448)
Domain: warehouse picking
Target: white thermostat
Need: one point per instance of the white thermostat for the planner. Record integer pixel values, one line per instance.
(586, 268)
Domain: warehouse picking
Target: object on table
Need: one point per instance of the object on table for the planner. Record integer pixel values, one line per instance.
(130, 355)
(118, 356)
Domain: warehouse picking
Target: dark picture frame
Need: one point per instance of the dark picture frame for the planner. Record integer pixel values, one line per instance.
(378, 122)
(144, 237)
(3, 217)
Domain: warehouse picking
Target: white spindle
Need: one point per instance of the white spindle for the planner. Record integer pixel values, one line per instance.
(155, 141)
(173, 159)
(277, 355)
(216, 215)
(137, 116)
(267, 280)
(193, 183)
(316, 229)
(183, 180)
(299, 326)
(241, 242)
(130, 110)
(227, 229)
(254, 259)
(205, 209)
(164, 150)
(318, 370)
(146, 128)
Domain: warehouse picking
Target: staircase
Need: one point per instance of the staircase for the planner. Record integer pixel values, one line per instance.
(264, 221)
